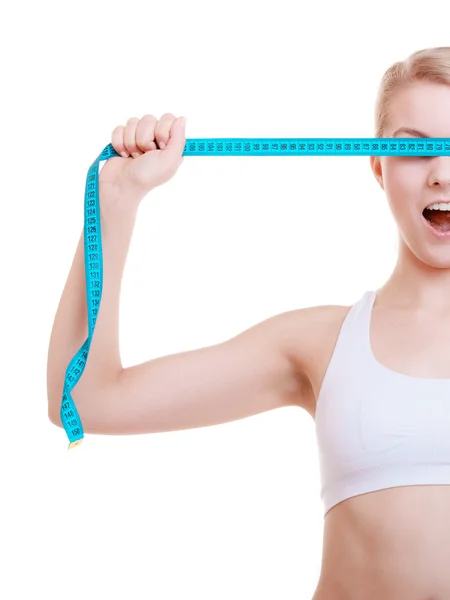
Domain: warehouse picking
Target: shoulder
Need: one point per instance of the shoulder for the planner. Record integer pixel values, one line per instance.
(306, 328)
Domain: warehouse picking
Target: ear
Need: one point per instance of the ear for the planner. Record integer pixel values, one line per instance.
(375, 164)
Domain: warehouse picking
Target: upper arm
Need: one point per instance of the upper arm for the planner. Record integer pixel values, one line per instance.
(253, 372)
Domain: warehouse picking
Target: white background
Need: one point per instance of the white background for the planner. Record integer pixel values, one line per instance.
(225, 512)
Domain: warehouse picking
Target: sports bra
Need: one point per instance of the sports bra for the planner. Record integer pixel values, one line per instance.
(377, 428)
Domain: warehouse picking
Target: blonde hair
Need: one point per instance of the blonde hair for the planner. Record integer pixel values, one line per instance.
(430, 64)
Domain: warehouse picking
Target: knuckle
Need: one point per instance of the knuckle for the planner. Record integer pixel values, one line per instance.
(144, 140)
(129, 135)
(163, 127)
(145, 132)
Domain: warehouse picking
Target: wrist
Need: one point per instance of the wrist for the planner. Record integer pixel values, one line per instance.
(115, 205)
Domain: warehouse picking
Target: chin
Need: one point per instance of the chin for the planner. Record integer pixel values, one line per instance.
(424, 247)
(437, 259)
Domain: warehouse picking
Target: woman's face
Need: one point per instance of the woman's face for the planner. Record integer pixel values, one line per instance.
(411, 183)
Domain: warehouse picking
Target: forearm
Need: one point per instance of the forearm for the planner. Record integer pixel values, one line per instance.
(70, 327)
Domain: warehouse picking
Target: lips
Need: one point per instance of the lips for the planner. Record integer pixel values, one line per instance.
(437, 232)
(439, 220)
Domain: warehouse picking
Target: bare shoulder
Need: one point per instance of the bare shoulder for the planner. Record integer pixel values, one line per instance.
(309, 337)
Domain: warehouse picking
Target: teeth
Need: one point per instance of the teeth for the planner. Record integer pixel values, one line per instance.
(440, 206)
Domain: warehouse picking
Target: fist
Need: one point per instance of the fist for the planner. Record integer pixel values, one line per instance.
(152, 153)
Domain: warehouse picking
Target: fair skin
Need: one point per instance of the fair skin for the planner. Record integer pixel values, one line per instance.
(394, 543)
(391, 544)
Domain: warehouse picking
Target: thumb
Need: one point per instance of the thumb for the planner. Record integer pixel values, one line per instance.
(177, 139)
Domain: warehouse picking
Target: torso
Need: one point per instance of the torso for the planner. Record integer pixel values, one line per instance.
(392, 544)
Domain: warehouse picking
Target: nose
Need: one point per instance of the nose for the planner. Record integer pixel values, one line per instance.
(440, 172)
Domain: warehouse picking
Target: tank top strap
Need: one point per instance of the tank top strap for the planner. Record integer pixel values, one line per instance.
(352, 353)
(353, 343)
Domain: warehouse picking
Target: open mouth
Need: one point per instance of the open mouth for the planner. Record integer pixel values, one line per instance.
(438, 219)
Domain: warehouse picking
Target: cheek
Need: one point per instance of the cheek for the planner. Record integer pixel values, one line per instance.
(403, 180)
(403, 184)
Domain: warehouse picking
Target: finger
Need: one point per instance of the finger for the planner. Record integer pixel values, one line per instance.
(162, 131)
(145, 133)
(177, 140)
(129, 137)
(117, 141)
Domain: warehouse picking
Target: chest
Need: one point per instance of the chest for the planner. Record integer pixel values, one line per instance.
(413, 344)
(406, 344)
(389, 397)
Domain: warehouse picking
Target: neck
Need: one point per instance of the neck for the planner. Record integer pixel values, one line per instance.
(417, 283)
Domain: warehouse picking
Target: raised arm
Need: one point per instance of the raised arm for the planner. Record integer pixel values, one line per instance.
(253, 372)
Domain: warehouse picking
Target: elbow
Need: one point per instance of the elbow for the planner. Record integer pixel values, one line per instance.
(54, 414)
(53, 410)
(95, 407)
(54, 419)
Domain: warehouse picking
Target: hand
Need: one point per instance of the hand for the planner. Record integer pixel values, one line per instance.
(124, 182)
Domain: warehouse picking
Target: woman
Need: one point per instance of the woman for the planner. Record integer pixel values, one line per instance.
(375, 376)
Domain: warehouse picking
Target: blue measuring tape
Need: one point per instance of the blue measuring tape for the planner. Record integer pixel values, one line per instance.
(93, 256)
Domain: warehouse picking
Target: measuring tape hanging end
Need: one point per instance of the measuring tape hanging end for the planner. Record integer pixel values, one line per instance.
(73, 444)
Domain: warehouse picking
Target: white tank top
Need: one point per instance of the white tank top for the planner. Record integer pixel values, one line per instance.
(377, 428)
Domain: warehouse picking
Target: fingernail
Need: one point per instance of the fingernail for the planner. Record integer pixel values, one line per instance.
(162, 145)
(124, 154)
(183, 122)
